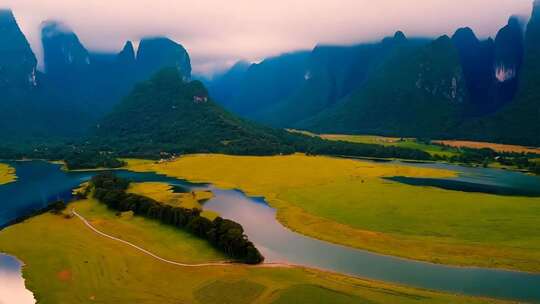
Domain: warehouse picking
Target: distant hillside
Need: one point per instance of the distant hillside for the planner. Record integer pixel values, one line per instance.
(29, 109)
(519, 121)
(333, 73)
(167, 114)
(260, 86)
(462, 88)
(284, 90)
(418, 91)
(77, 87)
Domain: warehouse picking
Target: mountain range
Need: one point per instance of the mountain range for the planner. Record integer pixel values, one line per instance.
(77, 87)
(451, 87)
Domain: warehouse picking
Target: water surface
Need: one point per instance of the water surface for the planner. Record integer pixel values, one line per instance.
(12, 288)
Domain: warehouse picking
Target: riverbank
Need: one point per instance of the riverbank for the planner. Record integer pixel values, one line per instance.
(349, 202)
(66, 260)
(7, 174)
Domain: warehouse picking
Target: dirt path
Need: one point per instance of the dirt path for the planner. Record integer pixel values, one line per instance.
(144, 250)
(165, 260)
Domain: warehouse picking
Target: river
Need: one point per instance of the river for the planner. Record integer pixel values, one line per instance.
(40, 182)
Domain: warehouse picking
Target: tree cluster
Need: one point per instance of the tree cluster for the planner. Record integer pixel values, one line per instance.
(91, 160)
(224, 234)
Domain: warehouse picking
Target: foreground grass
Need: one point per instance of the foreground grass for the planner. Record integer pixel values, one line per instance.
(348, 202)
(7, 174)
(65, 262)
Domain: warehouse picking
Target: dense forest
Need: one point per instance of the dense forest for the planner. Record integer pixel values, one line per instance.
(226, 235)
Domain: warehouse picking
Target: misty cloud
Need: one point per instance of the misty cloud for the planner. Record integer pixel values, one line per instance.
(217, 33)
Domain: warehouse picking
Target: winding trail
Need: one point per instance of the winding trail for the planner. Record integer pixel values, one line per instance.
(146, 251)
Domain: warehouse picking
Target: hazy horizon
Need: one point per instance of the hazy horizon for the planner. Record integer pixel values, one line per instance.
(251, 31)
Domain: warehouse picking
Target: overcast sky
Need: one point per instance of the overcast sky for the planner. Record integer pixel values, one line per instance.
(217, 33)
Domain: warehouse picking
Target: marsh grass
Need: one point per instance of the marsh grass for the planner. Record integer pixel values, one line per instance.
(7, 174)
(349, 202)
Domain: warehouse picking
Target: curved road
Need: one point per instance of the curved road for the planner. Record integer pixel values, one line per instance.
(144, 250)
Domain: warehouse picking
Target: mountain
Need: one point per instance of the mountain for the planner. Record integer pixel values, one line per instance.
(17, 61)
(77, 88)
(333, 72)
(518, 121)
(64, 55)
(28, 109)
(285, 90)
(477, 60)
(462, 87)
(418, 91)
(508, 61)
(225, 85)
(262, 85)
(169, 114)
(126, 57)
(157, 53)
(491, 67)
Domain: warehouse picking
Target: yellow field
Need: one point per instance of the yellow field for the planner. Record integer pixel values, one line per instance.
(66, 262)
(495, 147)
(7, 174)
(348, 202)
(411, 143)
(163, 192)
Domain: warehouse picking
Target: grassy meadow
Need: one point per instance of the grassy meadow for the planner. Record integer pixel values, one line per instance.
(493, 146)
(349, 202)
(66, 262)
(411, 143)
(163, 192)
(7, 174)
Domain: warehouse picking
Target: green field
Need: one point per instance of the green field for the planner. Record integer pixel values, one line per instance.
(411, 143)
(7, 174)
(348, 202)
(66, 262)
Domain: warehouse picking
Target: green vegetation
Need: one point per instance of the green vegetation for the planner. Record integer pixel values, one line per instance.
(471, 153)
(223, 292)
(411, 143)
(163, 193)
(518, 121)
(78, 160)
(7, 174)
(165, 117)
(349, 202)
(417, 91)
(316, 294)
(224, 234)
(66, 260)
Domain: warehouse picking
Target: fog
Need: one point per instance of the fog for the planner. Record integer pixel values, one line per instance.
(217, 33)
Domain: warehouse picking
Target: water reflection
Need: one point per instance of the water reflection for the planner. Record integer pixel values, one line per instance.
(279, 244)
(12, 289)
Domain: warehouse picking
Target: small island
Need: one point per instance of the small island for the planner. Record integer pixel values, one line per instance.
(7, 174)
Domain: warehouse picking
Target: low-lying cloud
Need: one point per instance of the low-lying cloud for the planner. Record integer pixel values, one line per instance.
(217, 33)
